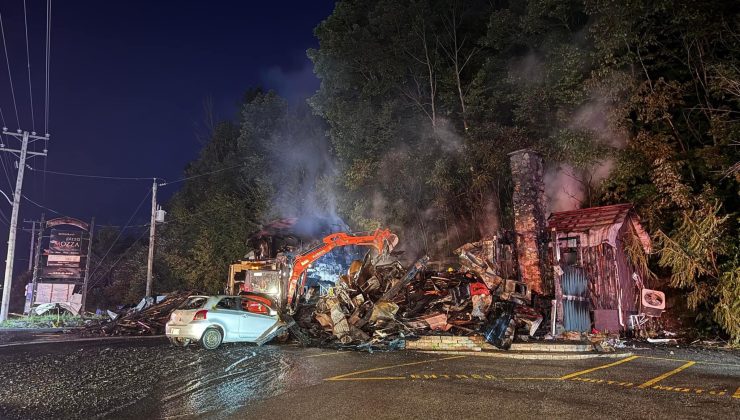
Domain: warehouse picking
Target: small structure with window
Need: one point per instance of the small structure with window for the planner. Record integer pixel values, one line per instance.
(599, 257)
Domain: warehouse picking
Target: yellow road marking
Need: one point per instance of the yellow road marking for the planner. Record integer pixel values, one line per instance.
(737, 393)
(531, 379)
(667, 374)
(583, 372)
(695, 361)
(335, 353)
(360, 372)
(698, 391)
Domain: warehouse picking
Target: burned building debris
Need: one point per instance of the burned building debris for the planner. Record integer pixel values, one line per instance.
(147, 318)
(573, 274)
(556, 278)
(378, 300)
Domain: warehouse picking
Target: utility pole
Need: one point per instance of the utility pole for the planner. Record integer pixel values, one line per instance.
(37, 260)
(33, 241)
(30, 248)
(152, 228)
(88, 257)
(24, 136)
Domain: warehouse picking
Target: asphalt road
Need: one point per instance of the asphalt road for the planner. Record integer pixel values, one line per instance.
(147, 378)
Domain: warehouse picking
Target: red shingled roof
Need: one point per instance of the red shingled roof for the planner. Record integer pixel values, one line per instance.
(589, 218)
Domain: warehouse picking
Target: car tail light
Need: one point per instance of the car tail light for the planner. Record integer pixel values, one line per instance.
(200, 315)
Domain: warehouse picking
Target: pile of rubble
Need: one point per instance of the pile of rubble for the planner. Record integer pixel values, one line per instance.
(147, 318)
(379, 303)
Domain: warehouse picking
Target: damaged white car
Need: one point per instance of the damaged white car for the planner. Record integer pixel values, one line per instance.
(212, 320)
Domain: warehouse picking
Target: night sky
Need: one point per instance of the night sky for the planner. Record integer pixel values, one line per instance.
(129, 80)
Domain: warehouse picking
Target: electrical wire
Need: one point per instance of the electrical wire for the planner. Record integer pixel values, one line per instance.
(47, 92)
(7, 176)
(200, 175)
(2, 155)
(92, 283)
(28, 64)
(41, 206)
(121, 232)
(135, 178)
(4, 217)
(10, 76)
(48, 65)
(121, 178)
(124, 227)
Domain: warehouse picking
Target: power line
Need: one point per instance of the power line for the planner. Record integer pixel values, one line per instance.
(28, 64)
(123, 254)
(46, 91)
(48, 66)
(42, 206)
(122, 178)
(135, 178)
(4, 217)
(4, 164)
(120, 233)
(5, 170)
(2, 156)
(10, 76)
(123, 227)
(203, 174)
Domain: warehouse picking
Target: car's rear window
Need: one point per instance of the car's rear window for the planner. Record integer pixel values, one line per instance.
(195, 302)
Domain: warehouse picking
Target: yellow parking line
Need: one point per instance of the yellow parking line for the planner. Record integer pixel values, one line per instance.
(672, 359)
(360, 372)
(667, 374)
(583, 372)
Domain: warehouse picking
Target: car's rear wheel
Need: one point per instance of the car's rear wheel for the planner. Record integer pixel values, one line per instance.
(179, 342)
(211, 338)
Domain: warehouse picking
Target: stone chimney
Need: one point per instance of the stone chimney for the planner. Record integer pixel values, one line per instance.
(530, 222)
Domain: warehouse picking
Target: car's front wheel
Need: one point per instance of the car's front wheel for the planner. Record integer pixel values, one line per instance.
(179, 342)
(211, 338)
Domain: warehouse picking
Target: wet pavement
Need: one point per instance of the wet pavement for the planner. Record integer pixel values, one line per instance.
(147, 378)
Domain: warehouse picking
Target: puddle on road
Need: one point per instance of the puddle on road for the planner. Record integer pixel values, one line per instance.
(224, 380)
(145, 381)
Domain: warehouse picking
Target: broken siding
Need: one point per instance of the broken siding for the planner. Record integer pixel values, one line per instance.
(598, 234)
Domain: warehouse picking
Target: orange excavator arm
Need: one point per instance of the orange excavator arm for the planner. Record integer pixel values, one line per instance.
(380, 240)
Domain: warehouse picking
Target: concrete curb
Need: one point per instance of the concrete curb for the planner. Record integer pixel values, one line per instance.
(534, 356)
(478, 343)
(38, 330)
(81, 340)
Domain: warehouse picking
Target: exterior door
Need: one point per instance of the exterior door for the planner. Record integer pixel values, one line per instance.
(576, 316)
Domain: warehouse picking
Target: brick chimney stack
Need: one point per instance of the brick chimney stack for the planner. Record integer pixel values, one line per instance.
(530, 222)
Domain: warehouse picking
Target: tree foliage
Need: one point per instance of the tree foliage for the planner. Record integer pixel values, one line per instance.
(638, 100)
(272, 161)
(422, 100)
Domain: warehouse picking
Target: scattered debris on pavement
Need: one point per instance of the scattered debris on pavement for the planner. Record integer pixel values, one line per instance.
(147, 318)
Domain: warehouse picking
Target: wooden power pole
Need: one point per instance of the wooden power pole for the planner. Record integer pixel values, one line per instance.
(25, 137)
